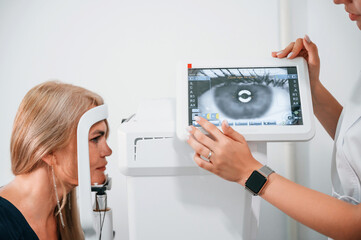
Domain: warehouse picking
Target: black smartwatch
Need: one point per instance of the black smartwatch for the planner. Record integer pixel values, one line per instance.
(258, 179)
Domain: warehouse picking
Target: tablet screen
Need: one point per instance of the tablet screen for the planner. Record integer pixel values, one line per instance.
(245, 96)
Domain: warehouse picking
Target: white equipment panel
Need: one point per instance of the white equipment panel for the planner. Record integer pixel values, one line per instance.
(169, 196)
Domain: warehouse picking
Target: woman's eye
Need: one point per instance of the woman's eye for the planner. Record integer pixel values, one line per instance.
(96, 139)
(98, 135)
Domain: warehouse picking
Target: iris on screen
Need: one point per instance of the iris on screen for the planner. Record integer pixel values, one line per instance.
(237, 100)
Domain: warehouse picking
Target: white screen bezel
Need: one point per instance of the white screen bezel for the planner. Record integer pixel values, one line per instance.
(253, 133)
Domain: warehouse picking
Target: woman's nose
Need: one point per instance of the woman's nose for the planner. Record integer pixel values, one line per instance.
(341, 1)
(106, 150)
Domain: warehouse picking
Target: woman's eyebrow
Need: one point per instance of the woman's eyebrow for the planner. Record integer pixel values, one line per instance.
(100, 132)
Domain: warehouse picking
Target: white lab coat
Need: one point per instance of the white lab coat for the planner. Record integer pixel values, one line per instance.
(346, 159)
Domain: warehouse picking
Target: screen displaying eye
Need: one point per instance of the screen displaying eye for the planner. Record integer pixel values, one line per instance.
(237, 100)
(267, 96)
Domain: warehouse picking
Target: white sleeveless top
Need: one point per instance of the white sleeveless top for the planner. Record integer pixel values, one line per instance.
(346, 158)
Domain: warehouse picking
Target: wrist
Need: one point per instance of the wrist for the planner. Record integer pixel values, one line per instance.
(270, 180)
(316, 87)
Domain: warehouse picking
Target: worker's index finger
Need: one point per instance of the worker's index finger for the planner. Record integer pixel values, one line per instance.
(209, 127)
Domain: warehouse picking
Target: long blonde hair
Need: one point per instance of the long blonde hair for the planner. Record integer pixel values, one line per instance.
(46, 119)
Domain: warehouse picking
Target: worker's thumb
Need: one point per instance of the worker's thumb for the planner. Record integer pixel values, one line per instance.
(313, 58)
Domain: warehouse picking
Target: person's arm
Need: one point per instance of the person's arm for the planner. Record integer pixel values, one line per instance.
(325, 214)
(326, 108)
(232, 160)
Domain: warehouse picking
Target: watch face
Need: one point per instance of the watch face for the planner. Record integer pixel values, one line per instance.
(256, 181)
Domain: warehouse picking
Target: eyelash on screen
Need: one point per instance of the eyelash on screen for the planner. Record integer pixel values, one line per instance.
(254, 78)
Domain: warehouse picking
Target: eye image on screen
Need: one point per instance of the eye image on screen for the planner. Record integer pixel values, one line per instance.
(245, 96)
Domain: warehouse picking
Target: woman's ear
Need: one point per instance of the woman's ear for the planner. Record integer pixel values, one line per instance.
(49, 159)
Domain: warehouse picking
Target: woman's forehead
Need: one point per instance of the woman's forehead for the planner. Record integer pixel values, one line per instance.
(99, 126)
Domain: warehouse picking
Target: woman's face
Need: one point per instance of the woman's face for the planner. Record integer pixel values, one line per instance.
(98, 151)
(353, 7)
(66, 158)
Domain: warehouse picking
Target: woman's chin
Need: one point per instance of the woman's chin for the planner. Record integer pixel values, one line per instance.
(98, 179)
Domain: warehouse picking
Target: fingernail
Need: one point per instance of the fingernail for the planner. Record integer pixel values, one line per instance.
(307, 38)
(189, 128)
(196, 118)
(226, 123)
(279, 53)
(290, 55)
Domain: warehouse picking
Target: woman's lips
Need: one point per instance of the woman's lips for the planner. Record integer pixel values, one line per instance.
(102, 168)
(353, 17)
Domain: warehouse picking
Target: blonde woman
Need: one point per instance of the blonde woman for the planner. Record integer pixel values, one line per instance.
(40, 203)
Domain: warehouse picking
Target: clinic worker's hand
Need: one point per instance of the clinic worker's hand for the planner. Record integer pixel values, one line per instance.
(303, 47)
(231, 158)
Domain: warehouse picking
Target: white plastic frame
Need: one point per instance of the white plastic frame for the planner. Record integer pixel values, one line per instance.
(88, 119)
(253, 133)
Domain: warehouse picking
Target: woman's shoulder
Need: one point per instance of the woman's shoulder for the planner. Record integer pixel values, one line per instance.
(13, 225)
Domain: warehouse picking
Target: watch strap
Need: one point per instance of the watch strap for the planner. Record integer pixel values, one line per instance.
(266, 171)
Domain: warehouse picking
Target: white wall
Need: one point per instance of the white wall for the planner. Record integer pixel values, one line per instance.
(126, 51)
